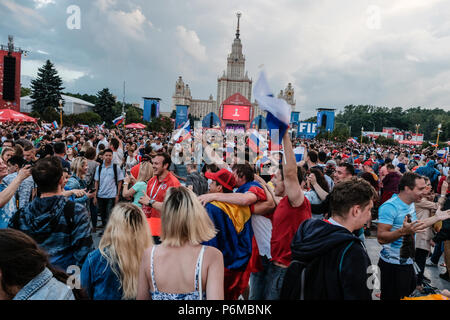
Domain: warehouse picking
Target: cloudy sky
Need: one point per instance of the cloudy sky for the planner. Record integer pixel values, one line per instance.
(379, 52)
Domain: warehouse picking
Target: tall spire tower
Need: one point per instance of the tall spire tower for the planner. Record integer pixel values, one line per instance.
(235, 79)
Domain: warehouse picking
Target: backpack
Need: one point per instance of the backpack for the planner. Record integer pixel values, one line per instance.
(294, 280)
(115, 175)
(69, 208)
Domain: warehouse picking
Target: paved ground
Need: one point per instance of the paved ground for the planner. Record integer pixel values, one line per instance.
(374, 248)
(432, 273)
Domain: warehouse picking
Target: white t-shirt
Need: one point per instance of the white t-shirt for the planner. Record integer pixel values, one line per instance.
(157, 147)
(118, 157)
(262, 229)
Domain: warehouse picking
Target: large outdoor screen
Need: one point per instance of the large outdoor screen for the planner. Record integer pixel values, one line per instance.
(240, 113)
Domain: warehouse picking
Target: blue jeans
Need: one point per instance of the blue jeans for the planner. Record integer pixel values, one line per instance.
(104, 209)
(258, 281)
(274, 282)
(93, 210)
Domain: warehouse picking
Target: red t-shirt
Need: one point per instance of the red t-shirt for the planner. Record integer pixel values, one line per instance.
(439, 187)
(135, 170)
(157, 190)
(285, 223)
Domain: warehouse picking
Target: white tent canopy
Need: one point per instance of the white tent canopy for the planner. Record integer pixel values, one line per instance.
(71, 105)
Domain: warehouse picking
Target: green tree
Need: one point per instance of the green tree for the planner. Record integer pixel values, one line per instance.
(46, 88)
(312, 119)
(25, 92)
(104, 106)
(160, 124)
(133, 114)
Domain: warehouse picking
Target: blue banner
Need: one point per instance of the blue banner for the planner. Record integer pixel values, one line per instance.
(295, 116)
(307, 129)
(325, 119)
(151, 109)
(182, 116)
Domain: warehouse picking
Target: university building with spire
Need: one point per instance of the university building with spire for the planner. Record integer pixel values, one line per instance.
(234, 80)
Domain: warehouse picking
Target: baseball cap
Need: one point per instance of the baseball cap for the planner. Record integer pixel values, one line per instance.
(224, 177)
(331, 163)
(368, 163)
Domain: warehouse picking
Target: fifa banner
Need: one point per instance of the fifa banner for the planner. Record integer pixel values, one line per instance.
(295, 117)
(151, 109)
(181, 117)
(307, 130)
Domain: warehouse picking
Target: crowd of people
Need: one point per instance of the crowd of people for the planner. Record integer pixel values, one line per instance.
(215, 229)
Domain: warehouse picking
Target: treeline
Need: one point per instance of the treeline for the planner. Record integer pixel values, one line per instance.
(375, 118)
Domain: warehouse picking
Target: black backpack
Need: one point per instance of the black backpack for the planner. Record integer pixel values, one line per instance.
(294, 280)
(115, 175)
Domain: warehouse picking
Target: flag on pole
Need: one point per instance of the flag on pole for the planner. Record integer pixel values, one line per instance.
(183, 134)
(299, 153)
(441, 153)
(55, 124)
(278, 110)
(118, 120)
(256, 140)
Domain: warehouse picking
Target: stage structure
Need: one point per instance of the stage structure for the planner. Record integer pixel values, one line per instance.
(10, 63)
(151, 108)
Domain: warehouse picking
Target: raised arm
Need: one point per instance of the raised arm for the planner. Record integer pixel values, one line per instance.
(292, 186)
(8, 193)
(241, 199)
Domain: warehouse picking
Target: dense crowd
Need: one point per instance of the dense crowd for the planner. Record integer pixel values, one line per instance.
(282, 226)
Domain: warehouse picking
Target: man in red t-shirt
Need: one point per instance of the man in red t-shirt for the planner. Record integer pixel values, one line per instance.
(157, 187)
(291, 211)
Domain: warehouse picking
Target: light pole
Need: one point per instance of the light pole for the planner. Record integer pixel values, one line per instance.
(362, 129)
(417, 131)
(439, 131)
(60, 112)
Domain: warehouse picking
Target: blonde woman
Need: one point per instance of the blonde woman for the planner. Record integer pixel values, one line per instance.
(111, 272)
(181, 268)
(79, 167)
(140, 187)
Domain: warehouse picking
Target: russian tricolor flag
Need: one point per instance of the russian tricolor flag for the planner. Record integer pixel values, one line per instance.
(118, 120)
(278, 110)
(256, 140)
(183, 134)
(299, 153)
(55, 124)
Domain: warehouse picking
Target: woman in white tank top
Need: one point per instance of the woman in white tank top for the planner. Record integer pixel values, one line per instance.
(180, 268)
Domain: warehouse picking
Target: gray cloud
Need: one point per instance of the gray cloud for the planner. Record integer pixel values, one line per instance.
(333, 52)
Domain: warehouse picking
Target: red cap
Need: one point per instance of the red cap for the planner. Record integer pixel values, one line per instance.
(224, 177)
(368, 163)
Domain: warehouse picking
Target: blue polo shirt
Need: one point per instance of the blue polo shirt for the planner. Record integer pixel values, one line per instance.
(107, 188)
(393, 212)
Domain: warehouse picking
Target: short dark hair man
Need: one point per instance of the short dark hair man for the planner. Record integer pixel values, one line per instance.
(59, 148)
(344, 172)
(64, 228)
(335, 260)
(195, 180)
(157, 187)
(396, 228)
(108, 182)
